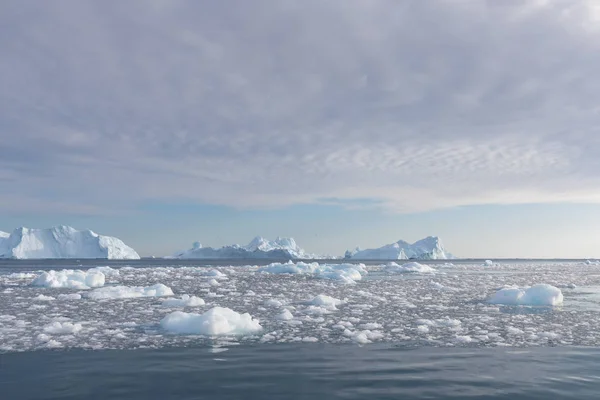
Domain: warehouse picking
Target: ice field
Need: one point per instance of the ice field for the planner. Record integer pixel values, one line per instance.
(438, 304)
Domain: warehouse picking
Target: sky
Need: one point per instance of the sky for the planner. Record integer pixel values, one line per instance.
(339, 123)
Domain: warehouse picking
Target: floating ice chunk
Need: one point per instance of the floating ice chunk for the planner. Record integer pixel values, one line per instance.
(126, 292)
(213, 282)
(62, 328)
(489, 263)
(184, 301)
(346, 273)
(286, 315)
(216, 321)
(464, 339)
(69, 296)
(537, 295)
(107, 271)
(326, 302)
(409, 267)
(214, 273)
(41, 297)
(273, 303)
(71, 279)
(21, 275)
(423, 329)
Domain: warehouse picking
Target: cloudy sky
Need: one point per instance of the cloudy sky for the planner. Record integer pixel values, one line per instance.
(340, 123)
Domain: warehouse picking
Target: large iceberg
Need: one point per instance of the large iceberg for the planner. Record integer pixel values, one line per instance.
(280, 248)
(430, 248)
(62, 242)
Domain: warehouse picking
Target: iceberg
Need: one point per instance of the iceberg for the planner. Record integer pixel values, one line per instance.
(345, 273)
(62, 242)
(216, 321)
(430, 248)
(280, 248)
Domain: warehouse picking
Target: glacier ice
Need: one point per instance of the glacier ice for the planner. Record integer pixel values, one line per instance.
(261, 248)
(216, 321)
(62, 242)
(71, 279)
(537, 295)
(430, 248)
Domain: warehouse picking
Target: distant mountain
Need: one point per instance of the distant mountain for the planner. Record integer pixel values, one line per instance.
(430, 248)
(62, 242)
(280, 248)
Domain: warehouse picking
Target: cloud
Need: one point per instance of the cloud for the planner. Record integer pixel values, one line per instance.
(415, 105)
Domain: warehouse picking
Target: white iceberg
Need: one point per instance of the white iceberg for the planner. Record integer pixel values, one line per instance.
(537, 295)
(216, 321)
(70, 279)
(409, 267)
(430, 248)
(128, 292)
(261, 248)
(62, 242)
(184, 301)
(346, 273)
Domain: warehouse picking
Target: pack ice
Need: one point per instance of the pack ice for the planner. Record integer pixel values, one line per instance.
(430, 248)
(62, 242)
(280, 248)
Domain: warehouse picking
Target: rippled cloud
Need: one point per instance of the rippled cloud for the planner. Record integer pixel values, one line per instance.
(414, 105)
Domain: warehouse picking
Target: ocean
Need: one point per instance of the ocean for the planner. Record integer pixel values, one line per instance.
(357, 331)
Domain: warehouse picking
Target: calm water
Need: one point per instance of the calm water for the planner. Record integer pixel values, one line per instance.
(303, 371)
(433, 335)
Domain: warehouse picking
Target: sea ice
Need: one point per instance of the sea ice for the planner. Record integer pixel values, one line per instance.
(409, 267)
(184, 301)
(346, 273)
(126, 292)
(537, 295)
(286, 315)
(62, 328)
(327, 302)
(216, 321)
(69, 279)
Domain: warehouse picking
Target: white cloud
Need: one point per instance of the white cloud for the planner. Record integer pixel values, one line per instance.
(418, 105)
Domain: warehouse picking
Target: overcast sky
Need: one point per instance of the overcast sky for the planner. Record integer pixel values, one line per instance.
(341, 123)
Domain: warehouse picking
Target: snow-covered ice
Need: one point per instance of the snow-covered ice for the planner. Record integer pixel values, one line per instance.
(216, 321)
(260, 248)
(454, 306)
(347, 273)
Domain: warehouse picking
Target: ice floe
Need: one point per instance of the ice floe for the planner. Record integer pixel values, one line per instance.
(127, 292)
(537, 295)
(184, 301)
(347, 273)
(216, 321)
(70, 279)
(409, 267)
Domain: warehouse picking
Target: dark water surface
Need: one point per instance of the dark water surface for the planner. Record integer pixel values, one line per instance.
(304, 371)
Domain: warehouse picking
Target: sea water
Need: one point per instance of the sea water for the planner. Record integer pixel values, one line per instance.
(388, 333)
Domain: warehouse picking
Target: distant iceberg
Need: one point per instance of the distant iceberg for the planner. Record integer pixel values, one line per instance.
(261, 248)
(62, 242)
(430, 248)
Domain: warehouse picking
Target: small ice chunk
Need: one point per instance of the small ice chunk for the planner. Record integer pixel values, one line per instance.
(107, 271)
(286, 315)
(62, 328)
(273, 303)
(489, 263)
(185, 301)
(216, 321)
(537, 295)
(409, 267)
(423, 329)
(41, 297)
(464, 339)
(69, 296)
(126, 292)
(70, 279)
(326, 302)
